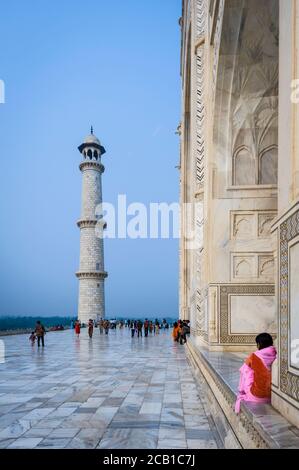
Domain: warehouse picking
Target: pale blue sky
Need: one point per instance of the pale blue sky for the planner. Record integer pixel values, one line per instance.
(68, 64)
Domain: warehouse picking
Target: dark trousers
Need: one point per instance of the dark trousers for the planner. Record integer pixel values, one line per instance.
(183, 339)
(39, 339)
(139, 333)
(133, 332)
(145, 332)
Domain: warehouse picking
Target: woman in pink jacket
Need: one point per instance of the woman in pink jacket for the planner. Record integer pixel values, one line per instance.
(255, 378)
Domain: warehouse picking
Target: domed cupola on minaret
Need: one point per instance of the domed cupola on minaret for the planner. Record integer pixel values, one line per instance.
(91, 149)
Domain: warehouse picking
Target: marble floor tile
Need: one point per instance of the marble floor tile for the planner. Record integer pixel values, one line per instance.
(84, 410)
(55, 443)
(106, 413)
(62, 412)
(49, 423)
(38, 432)
(172, 433)
(14, 430)
(4, 443)
(38, 414)
(151, 408)
(172, 444)
(4, 409)
(86, 439)
(201, 444)
(93, 402)
(106, 393)
(10, 418)
(199, 434)
(71, 404)
(60, 433)
(129, 439)
(25, 443)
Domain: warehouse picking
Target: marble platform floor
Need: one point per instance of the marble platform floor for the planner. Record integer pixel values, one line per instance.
(111, 392)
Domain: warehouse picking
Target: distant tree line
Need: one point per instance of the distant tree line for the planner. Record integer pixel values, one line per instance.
(16, 323)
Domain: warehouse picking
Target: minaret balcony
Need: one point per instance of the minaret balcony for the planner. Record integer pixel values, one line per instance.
(92, 165)
(92, 275)
(87, 223)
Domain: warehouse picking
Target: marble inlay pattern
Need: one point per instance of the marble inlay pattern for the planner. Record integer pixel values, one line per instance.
(225, 291)
(109, 392)
(289, 382)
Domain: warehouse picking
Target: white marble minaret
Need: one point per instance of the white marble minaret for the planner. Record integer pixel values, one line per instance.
(92, 273)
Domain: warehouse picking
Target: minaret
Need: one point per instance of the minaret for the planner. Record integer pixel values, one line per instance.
(92, 273)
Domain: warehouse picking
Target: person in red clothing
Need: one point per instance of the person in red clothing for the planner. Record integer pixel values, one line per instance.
(146, 327)
(77, 328)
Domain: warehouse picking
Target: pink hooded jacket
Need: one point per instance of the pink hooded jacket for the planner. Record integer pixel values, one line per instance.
(247, 377)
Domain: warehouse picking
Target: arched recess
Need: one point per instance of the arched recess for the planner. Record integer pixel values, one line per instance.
(268, 165)
(246, 83)
(244, 167)
(242, 227)
(267, 268)
(243, 269)
(89, 154)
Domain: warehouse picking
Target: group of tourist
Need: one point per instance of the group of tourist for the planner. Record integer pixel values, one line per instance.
(180, 330)
(255, 374)
(103, 325)
(147, 327)
(138, 328)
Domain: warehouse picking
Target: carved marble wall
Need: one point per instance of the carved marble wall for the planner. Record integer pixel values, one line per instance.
(244, 277)
(229, 165)
(285, 396)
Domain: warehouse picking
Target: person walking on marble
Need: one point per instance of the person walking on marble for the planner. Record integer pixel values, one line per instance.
(40, 333)
(139, 328)
(101, 326)
(132, 329)
(77, 329)
(183, 335)
(106, 327)
(146, 326)
(90, 328)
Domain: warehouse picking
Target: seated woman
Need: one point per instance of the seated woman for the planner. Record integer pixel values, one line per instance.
(255, 378)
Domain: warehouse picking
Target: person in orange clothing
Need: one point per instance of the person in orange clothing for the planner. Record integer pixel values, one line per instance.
(176, 332)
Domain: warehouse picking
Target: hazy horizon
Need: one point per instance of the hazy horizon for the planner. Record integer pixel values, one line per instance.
(64, 70)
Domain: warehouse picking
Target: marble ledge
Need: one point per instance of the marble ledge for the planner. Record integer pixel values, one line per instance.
(270, 424)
